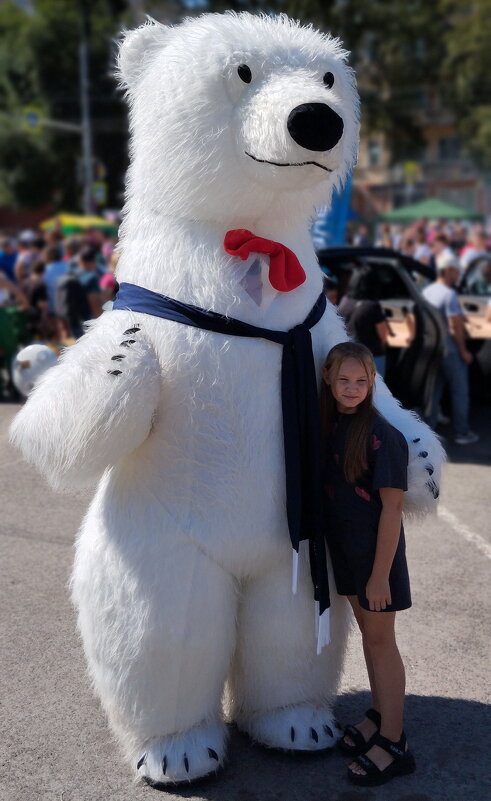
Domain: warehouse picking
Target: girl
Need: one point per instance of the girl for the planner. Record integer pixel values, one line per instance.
(366, 475)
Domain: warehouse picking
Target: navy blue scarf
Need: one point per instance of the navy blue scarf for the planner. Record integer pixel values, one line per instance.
(301, 419)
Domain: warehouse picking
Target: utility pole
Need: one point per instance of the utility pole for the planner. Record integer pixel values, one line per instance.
(84, 6)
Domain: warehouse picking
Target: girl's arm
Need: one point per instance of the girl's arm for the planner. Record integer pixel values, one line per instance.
(389, 530)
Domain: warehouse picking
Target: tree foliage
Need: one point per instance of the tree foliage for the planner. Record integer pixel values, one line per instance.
(467, 72)
(39, 65)
(398, 50)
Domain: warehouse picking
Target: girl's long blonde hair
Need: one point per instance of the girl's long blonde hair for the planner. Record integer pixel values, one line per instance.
(355, 456)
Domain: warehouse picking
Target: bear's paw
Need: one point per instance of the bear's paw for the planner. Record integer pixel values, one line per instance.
(426, 458)
(183, 757)
(294, 728)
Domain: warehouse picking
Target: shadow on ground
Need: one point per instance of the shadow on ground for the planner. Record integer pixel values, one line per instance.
(450, 739)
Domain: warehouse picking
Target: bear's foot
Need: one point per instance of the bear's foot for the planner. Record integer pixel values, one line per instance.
(294, 728)
(183, 757)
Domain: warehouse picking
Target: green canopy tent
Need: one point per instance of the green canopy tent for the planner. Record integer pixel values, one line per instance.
(432, 209)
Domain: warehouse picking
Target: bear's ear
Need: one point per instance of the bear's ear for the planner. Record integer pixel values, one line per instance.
(137, 49)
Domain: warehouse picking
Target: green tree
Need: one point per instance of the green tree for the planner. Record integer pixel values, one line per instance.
(39, 65)
(396, 51)
(467, 73)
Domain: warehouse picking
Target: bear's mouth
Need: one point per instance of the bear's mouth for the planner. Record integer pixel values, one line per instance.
(289, 164)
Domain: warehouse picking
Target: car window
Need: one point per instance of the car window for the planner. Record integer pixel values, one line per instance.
(477, 279)
(392, 285)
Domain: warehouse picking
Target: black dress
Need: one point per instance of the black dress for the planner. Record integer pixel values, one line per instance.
(353, 510)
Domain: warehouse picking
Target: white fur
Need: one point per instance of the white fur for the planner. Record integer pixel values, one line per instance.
(183, 566)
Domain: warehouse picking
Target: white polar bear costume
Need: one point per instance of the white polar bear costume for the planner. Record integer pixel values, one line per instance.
(182, 575)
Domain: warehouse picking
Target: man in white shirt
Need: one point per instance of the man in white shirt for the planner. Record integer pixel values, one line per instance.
(478, 246)
(454, 369)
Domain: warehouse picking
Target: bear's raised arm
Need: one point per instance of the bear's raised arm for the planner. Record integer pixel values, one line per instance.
(94, 407)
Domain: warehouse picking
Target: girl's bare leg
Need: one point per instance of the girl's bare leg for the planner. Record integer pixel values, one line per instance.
(389, 678)
(366, 727)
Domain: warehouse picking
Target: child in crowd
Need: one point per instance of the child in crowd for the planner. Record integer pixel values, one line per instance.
(366, 476)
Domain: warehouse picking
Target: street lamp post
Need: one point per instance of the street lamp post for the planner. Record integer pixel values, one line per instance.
(85, 107)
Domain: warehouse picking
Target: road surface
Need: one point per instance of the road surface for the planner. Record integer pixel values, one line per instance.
(55, 745)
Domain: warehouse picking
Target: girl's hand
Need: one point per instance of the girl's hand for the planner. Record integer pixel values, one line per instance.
(378, 593)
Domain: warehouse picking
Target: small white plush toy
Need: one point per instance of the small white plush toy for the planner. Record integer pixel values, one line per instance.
(183, 570)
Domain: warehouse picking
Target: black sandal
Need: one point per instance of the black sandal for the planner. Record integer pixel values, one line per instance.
(403, 763)
(360, 745)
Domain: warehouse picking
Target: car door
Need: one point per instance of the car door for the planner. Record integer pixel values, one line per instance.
(416, 347)
(475, 299)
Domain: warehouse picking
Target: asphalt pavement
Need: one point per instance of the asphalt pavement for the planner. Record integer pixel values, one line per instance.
(55, 745)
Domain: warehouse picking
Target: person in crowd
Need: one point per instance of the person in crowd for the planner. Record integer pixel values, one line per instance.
(454, 369)
(476, 247)
(422, 251)
(109, 287)
(54, 238)
(89, 274)
(8, 257)
(43, 324)
(366, 463)
(11, 294)
(107, 247)
(71, 247)
(30, 246)
(408, 244)
(384, 238)
(439, 243)
(364, 316)
(362, 237)
(55, 268)
(457, 237)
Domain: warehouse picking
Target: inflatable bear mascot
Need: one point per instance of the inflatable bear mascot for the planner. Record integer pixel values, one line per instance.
(179, 400)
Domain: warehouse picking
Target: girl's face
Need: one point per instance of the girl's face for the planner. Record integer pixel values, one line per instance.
(350, 386)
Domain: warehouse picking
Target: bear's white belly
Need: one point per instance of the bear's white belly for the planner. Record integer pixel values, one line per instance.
(212, 469)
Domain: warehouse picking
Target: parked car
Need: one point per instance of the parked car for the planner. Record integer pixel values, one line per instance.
(475, 299)
(418, 334)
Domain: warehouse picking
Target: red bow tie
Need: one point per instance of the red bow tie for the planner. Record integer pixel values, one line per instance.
(285, 270)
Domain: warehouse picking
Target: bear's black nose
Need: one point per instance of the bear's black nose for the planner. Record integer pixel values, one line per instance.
(315, 126)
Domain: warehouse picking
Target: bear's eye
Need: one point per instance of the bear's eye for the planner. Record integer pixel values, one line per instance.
(244, 73)
(329, 80)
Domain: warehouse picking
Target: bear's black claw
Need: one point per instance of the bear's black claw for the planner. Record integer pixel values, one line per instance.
(314, 735)
(292, 734)
(130, 331)
(114, 372)
(433, 488)
(212, 754)
(328, 730)
(418, 439)
(430, 469)
(141, 761)
(164, 765)
(186, 763)
(118, 357)
(423, 454)
(127, 342)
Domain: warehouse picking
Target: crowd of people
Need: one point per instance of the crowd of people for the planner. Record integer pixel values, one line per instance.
(425, 239)
(50, 284)
(57, 282)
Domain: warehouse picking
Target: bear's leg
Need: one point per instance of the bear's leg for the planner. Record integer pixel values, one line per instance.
(281, 689)
(159, 637)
